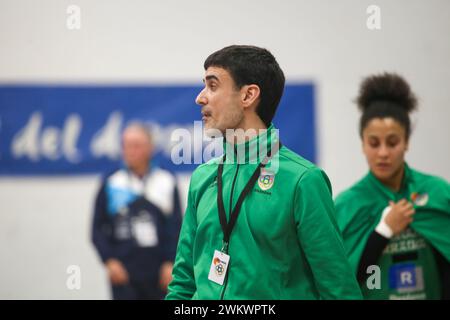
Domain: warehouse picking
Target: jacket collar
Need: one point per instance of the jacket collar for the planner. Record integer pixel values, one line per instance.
(254, 150)
(393, 195)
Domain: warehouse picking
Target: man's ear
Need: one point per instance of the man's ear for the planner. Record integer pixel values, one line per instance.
(249, 95)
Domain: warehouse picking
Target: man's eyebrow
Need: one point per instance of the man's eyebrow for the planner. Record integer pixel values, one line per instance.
(211, 77)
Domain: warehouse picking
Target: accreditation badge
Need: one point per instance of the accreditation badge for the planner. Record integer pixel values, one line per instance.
(219, 266)
(144, 230)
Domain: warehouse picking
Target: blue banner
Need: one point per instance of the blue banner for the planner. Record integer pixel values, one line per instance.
(77, 129)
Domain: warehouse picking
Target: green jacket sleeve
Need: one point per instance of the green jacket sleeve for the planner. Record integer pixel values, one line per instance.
(320, 238)
(356, 220)
(182, 286)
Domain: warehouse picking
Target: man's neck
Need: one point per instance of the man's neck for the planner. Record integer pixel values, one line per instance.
(246, 130)
(140, 171)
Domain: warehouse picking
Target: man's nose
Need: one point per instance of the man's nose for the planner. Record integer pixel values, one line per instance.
(201, 99)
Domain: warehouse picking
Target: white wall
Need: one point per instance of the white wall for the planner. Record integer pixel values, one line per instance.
(44, 222)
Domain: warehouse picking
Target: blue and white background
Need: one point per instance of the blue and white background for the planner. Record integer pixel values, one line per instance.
(67, 130)
(65, 94)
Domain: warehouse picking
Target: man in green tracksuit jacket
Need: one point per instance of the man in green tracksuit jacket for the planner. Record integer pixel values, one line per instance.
(259, 225)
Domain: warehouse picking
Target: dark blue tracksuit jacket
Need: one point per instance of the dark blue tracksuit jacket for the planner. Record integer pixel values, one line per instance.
(137, 221)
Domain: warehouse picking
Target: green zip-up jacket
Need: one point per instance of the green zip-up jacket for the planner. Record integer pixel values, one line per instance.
(285, 244)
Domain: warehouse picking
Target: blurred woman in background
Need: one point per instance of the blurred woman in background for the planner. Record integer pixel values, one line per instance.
(394, 218)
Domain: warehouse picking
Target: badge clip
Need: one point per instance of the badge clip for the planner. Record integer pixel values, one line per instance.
(224, 247)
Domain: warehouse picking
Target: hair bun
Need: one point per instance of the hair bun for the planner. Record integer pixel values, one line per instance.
(388, 87)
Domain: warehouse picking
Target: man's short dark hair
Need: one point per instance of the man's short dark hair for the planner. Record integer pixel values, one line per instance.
(253, 65)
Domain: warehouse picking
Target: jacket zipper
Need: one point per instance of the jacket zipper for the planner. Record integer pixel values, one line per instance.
(231, 209)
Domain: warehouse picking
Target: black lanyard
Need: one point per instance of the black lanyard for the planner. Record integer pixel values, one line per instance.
(227, 228)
